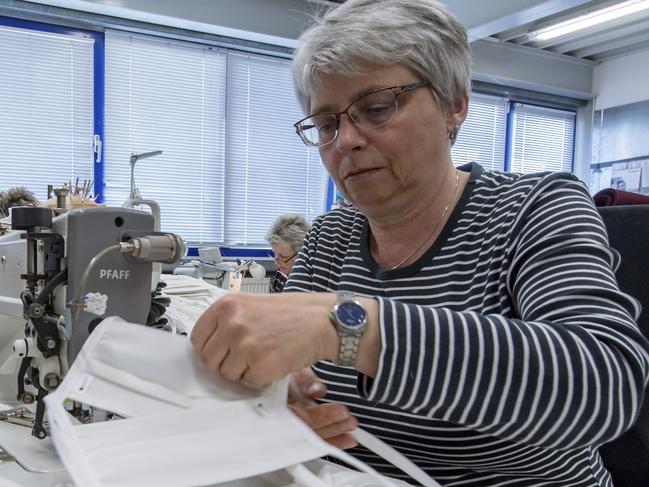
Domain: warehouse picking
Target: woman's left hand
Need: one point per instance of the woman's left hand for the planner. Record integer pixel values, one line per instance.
(331, 421)
(259, 339)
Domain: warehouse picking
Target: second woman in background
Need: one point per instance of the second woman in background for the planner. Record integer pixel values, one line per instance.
(286, 235)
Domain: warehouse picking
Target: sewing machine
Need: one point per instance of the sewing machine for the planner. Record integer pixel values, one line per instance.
(70, 272)
(59, 277)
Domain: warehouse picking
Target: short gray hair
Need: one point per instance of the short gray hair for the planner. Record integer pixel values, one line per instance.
(289, 229)
(421, 35)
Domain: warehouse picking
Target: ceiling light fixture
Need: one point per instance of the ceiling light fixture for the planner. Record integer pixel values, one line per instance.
(588, 20)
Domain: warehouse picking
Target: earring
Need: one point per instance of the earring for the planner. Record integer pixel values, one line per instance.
(453, 134)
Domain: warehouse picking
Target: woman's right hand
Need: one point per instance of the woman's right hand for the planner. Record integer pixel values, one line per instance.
(331, 421)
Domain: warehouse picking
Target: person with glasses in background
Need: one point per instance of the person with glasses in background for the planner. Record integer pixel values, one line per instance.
(469, 318)
(285, 236)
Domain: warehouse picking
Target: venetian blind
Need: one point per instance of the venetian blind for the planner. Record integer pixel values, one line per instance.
(46, 114)
(543, 139)
(482, 136)
(170, 96)
(269, 170)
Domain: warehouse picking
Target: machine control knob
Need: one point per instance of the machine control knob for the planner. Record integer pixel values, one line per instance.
(25, 347)
(27, 218)
(27, 398)
(52, 381)
(35, 310)
(21, 347)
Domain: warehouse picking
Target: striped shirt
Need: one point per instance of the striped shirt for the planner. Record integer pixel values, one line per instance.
(278, 282)
(508, 351)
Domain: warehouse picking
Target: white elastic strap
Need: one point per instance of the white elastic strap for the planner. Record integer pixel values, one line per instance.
(361, 467)
(304, 477)
(385, 451)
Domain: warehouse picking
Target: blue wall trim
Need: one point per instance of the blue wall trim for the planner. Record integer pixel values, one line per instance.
(235, 252)
(55, 29)
(331, 193)
(509, 135)
(99, 72)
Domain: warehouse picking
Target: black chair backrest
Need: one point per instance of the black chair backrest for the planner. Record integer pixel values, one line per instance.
(627, 457)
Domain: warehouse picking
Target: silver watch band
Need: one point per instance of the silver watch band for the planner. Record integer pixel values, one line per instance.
(348, 350)
(348, 343)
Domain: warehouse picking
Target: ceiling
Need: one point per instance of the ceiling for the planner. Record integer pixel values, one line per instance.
(511, 21)
(505, 23)
(598, 43)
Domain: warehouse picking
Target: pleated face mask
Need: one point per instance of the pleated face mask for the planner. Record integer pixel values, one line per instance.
(178, 424)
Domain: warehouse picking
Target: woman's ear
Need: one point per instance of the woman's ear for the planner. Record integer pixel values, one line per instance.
(456, 117)
(458, 113)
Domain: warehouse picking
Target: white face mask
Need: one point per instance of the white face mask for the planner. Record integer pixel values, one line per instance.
(182, 426)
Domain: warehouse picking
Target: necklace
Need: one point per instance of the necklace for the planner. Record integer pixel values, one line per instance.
(441, 218)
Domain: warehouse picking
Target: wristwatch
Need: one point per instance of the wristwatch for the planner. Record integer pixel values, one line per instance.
(350, 319)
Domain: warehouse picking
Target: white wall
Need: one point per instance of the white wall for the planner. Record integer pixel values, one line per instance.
(531, 69)
(622, 80)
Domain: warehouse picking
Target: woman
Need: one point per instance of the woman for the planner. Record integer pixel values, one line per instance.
(485, 336)
(285, 236)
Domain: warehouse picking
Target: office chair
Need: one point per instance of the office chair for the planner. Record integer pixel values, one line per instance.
(627, 457)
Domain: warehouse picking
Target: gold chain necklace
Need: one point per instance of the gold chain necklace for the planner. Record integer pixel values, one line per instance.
(441, 218)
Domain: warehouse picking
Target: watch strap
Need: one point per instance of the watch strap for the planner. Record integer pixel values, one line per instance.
(349, 342)
(347, 350)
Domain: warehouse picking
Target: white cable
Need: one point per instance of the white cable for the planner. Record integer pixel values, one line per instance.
(84, 278)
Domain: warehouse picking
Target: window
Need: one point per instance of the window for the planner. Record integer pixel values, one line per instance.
(169, 96)
(46, 120)
(230, 164)
(538, 138)
(482, 136)
(269, 170)
(543, 139)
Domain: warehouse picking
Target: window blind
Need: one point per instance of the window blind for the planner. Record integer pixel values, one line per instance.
(170, 96)
(46, 114)
(269, 170)
(542, 139)
(482, 136)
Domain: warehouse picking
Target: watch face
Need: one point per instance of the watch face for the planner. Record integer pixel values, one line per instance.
(351, 314)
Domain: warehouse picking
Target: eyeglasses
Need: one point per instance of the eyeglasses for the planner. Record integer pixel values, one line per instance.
(280, 260)
(367, 112)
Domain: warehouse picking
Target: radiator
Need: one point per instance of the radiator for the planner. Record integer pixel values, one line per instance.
(255, 286)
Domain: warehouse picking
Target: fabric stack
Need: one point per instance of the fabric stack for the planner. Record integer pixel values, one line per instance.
(189, 298)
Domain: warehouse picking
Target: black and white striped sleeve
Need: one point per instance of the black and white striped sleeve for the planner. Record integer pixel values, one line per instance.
(566, 370)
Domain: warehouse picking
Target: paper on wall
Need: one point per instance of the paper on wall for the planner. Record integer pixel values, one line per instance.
(626, 179)
(645, 173)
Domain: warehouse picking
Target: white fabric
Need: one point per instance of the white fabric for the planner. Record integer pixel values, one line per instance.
(183, 425)
(337, 476)
(189, 297)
